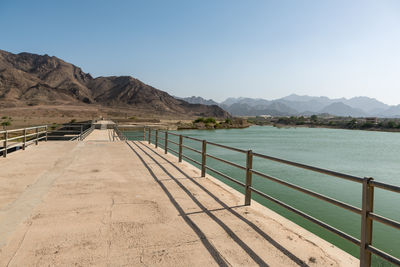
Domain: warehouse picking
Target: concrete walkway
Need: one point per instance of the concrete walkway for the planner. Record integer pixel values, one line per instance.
(103, 203)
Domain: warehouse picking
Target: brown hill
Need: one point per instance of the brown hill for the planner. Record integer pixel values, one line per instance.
(29, 79)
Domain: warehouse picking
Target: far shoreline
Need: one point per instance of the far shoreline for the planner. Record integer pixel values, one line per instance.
(332, 127)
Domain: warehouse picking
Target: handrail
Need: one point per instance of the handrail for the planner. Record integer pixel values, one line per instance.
(175, 143)
(170, 149)
(309, 192)
(384, 220)
(308, 217)
(389, 187)
(368, 184)
(227, 147)
(192, 149)
(25, 136)
(227, 162)
(86, 132)
(225, 176)
(192, 160)
(21, 129)
(383, 255)
(192, 138)
(311, 168)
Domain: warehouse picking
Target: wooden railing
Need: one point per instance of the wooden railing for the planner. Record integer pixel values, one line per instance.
(22, 137)
(368, 184)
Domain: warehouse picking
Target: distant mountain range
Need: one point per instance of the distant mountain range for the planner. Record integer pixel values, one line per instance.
(29, 80)
(306, 105)
(198, 100)
(35, 80)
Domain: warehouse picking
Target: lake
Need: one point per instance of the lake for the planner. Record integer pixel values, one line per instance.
(360, 153)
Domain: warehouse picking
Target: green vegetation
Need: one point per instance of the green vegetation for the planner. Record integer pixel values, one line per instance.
(376, 124)
(314, 118)
(5, 121)
(205, 120)
(391, 124)
(212, 123)
(72, 121)
(54, 126)
(352, 124)
(132, 118)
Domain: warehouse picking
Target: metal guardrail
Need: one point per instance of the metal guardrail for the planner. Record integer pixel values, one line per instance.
(85, 133)
(22, 137)
(368, 185)
(79, 130)
(118, 133)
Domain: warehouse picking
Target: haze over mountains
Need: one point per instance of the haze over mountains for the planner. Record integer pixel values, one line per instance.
(34, 80)
(307, 105)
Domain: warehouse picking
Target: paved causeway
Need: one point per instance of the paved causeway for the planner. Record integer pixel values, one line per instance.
(102, 203)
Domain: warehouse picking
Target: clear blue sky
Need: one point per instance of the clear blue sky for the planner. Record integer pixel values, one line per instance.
(217, 49)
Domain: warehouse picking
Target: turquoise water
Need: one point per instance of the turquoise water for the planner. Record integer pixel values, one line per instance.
(360, 153)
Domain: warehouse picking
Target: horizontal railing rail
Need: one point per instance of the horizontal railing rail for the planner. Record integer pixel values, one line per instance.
(22, 137)
(72, 131)
(86, 132)
(117, 133)
(311, 168)
(368, 185)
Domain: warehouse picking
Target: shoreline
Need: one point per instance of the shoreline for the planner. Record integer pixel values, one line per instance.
(331, 127)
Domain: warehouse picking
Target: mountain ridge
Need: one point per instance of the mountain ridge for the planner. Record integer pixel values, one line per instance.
(292, 105)
(28, 79)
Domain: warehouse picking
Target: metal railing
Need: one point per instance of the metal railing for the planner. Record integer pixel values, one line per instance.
(117, 133)
(86, 132)
(72, 131)
(368, 184)
(22, 137)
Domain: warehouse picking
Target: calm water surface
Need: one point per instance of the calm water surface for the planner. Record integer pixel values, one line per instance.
(360, 153)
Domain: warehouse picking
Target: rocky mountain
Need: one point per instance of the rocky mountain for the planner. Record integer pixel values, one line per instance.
(273, 108)
(391, 112)
(198, 100)
(340, 109)
(366, 104)
(307, 105)
(231, 100)
(30, 79)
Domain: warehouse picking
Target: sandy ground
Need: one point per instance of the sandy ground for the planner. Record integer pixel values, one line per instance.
(102, 203)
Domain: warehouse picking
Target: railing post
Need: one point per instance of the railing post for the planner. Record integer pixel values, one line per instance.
(5, 144)
(156, 138)
(366, 223)
(24, 145)
(180, 147)
(203, 158)
(37, 136)
(166, 142)
(144, 133)
(149, 135)
(80, 135)
(47, 128)
(249, 166)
